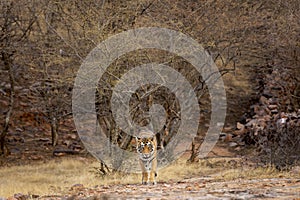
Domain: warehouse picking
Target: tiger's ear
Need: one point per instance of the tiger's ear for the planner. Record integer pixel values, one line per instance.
(136, 139)
(152, 138)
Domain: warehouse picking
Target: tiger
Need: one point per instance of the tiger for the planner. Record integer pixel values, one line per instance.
(147, 151)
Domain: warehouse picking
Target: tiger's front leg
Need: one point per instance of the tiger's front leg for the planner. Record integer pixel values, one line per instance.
(152, 178)
(153, 172)
(145, 173)
(145, 178)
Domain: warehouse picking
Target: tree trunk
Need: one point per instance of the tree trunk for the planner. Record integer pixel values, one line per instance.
(7, 62)
(125, 142)
(54, 130)
(194, 153)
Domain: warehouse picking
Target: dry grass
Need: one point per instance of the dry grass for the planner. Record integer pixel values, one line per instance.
(57, 177)
(255, 173)
(45, 177)
(224, 169)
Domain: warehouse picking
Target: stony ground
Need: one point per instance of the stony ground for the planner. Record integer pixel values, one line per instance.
(198, 188)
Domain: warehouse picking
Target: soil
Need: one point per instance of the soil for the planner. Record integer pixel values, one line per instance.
(201, 188)
(196, 188)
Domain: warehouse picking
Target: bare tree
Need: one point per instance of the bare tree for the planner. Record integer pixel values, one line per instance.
(16, 23)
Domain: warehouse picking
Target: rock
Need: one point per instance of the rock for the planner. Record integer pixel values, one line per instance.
(67, 142)
(273, 101)
(241, 143)
(44, 139)
(263, 100)
(275, 111)
(281, 121)
(222, 136)
(227, 129)
(9, 198)
(240, 126)
(295, 170)
(272, 107)
(35, 196)
(228, 137)
(233, 144)
(252, 123)
(267, 117)
(267, 94)
(238, 148)
(20, 196)
(19, 129)
(36, 157)
(267, 111)
(255, 108)
(71, 136)
(77, 187)
(240, 132)
(189, 188)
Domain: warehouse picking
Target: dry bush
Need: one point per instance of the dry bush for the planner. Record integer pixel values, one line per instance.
(275, 122)
(278, 143)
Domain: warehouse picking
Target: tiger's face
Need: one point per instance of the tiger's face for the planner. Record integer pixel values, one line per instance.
(146, 148)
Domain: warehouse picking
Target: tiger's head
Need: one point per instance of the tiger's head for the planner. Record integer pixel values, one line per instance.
(146, 147)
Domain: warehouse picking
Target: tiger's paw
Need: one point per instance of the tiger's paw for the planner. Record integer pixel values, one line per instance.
(149, 183)
(152, 183)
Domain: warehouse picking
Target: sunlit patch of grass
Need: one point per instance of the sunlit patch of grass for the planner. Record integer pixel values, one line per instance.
(220, 169)
(182, 170)
(120, 178)
(255, 173)
(57, 177)
(45, 177)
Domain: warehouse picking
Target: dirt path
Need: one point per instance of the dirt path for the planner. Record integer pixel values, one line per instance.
(202, 188)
